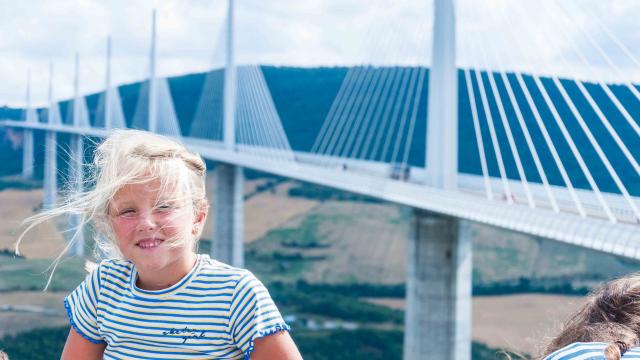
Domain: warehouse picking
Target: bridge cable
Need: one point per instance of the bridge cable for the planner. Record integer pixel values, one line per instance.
(598, 110)
(602, 53)
(478, 133)
(253, 123)
(352, 120)
(378, 125)
(254, 118)
(621, 187)
(525, 131)
(384, 131)
(410, 95)
(506, 126)
(492, 132)
(416, 90)
(396, 114)
(567, 136)
(331, 122)
(543, 128)
(414, 115)
(334, 118)
(359, 111)
(318, 143)
(343, 119)
(518, 112)
(281, 137)
(243, 135)
(271, 119)
(353, 106)
(611, 130)
(382, 73)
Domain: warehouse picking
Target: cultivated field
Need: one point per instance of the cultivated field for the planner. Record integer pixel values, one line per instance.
(43, 242)
(523, 323)
(264, 211)
(26, 310)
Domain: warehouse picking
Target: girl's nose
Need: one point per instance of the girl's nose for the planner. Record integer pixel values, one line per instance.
(146, 222)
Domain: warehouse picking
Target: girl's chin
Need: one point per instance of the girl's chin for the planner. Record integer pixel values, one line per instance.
(156, 260)
(150, 264)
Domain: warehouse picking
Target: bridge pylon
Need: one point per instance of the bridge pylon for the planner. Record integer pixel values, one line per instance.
(51, 151)
(228, 205)
(438, 298)
(80, 119)
(228, 209)
(30, 116)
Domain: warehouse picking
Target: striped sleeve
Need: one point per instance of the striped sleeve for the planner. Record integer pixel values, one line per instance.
(253, 313)
(582, 351)
(81, 306)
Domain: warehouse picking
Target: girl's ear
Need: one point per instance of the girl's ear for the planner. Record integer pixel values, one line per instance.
(198, 222)
(200, 217)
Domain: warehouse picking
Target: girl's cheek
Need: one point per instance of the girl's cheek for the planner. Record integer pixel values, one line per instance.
(123, 224)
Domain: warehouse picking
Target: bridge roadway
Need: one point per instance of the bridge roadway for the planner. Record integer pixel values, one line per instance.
(597, 233)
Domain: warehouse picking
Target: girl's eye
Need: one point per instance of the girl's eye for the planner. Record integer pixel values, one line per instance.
(127, 213)
(164, 207)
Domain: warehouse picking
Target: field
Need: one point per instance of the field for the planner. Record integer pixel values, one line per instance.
(522, 322)
(268, 210)
(43, 242)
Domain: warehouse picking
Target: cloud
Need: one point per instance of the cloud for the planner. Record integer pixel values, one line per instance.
(524, 35)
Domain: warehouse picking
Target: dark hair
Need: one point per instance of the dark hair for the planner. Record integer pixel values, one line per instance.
(611, 315)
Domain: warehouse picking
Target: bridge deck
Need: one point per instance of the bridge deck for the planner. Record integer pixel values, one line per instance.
(594, 232)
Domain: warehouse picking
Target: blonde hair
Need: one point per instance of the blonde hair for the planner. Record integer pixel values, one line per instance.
(129, 157)
(611, 315)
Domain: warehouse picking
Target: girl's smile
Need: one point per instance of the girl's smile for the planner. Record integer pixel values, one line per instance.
(151, 243)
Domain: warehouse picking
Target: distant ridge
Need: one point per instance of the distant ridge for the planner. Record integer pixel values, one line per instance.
(303, 97)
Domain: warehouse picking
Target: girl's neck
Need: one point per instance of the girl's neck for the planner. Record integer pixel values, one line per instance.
(166, 277)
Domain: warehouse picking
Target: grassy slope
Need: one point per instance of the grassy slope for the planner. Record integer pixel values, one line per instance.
(346, 241)
(21, 274)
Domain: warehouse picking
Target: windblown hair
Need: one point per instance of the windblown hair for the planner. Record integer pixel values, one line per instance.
(611, 315)
(130, 157)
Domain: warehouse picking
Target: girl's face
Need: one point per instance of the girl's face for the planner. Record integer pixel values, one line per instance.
(153, 230)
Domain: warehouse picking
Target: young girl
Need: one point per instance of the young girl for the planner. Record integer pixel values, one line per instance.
(155, 298)
(607, 326)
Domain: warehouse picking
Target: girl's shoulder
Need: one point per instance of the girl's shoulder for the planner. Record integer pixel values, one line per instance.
(117, 264)
(214, 269)
(110, 268)
(209, 265)
(588, 351)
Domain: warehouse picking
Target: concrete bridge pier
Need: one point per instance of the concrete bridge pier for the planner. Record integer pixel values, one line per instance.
(50, 170)
(27, 154)
(77, 159)
(228, 210)
(438, 298)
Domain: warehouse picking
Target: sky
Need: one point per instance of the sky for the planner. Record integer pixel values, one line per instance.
(586, 39)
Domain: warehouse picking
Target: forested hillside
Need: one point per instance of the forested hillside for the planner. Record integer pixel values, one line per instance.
(303, 97)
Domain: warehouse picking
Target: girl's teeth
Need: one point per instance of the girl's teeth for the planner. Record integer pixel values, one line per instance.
(149, 244)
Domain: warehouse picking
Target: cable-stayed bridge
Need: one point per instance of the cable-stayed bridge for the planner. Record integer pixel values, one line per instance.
(548, 155)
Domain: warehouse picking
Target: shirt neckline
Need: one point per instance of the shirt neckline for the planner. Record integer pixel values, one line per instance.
(182, 283)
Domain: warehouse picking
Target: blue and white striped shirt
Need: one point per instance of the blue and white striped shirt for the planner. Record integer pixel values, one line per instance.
(215, 312)
(588, 351)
